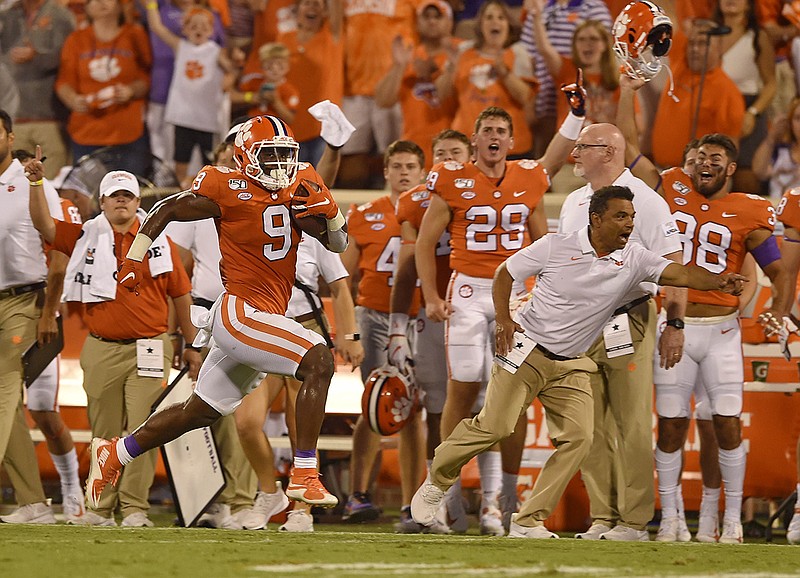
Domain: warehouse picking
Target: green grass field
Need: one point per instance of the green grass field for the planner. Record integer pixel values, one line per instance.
(368, 550)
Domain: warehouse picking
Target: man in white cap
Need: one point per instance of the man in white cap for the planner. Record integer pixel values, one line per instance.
(128, 353)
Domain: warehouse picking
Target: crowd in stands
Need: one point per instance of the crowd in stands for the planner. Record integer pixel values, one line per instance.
(164, 80)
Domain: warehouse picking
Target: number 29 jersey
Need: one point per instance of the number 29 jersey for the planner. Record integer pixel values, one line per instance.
(489, 219)
(713, 232)
(257, 239)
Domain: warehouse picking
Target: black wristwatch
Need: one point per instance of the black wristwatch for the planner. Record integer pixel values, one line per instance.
(676, 323)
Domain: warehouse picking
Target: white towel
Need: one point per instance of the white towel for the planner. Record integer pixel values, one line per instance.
(91, 268)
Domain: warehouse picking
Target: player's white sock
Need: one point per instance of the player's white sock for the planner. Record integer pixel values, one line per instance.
(732, 466)
(491, 473)
(668, 466)
(67, 468)
(709, 504)
(679, 500)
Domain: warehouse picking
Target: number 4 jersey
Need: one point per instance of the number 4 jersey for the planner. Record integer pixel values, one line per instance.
(713, 232)
(489, 216)
(256, 237)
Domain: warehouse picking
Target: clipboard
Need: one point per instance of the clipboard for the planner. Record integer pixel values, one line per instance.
(36, 359)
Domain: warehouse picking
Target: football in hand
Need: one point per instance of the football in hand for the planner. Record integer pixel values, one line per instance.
(314, 225)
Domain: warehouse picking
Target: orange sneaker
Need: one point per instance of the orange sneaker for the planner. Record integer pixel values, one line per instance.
(104, 468)
(304, 485)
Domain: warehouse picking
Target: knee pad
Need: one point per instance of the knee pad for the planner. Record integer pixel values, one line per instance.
(671, 405)
(466, 363)
(726, 400)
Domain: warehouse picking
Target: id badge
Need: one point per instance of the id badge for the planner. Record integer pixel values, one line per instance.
(512, 361)
(150, 358)
(617, 336)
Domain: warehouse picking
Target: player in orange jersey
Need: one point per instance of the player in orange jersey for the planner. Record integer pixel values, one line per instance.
(371, 259)
(256, 209)
(492, 208)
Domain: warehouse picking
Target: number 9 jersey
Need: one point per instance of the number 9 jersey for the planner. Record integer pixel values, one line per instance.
(713, 232)
(256, 237)
(489, 216)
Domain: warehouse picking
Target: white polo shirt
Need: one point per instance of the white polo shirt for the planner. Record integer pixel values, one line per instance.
(22, 260)
(313, 261)
(653, 225)
(201, 239)
(576, 291)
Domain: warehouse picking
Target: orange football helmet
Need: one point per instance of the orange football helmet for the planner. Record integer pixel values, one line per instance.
(642, 35)
(389, 400)
(265, 151)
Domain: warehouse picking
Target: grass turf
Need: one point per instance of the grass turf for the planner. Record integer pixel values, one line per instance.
(367, 550)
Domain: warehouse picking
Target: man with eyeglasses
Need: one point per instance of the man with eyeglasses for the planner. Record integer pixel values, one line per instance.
(619, 470)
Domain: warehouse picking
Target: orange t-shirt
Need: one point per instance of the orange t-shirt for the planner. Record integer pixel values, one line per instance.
(476, 89)
(317, 71)
(89, 66)
(713, 232)
(370, 26)
(721, 110)
(489, 221)
(257, 237)
(375, 229)
(411, 207)
(129, 316)
(424, 114)
(286, 91)
(788, 210)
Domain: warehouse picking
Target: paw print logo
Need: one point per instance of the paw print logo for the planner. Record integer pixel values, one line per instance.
(402, 409)
(194, 70)
(243, 134)
(104, 68)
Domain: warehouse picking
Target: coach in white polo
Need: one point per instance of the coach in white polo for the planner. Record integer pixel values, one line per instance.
(619, 470)
(582, 278)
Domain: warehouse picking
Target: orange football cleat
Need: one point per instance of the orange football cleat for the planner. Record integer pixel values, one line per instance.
(305, 486)
(104, 468)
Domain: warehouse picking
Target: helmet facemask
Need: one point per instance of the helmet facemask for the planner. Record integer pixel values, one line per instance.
(273, 163)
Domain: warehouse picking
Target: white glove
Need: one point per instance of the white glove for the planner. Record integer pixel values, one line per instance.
(399, 354)
(336, 129)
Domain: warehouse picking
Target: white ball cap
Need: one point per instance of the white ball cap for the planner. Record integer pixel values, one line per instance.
(119, 181)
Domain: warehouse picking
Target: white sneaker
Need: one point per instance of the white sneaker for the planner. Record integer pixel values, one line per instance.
(137, 520)
(708, 528)
(492, 522)
(426, 502)
(267, 505)
(732, 532)
(668, 529)
(298, 521)
(218, 516)
(247, 519)
(594, 532)
(90, 518)
(73, 507)
(39, 513)
(626, 534)
(684, 535)
(537, 532)
(793, 531)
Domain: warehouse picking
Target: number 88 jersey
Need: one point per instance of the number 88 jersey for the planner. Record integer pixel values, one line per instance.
(714, 232)
(489, 218)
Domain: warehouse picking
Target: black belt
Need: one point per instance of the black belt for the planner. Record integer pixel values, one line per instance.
(119, 341)
(306, 317)
(203, 302)
(550, 355)
(628, 306)
(22, 289)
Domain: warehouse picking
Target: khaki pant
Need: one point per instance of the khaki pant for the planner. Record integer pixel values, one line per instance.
(119, 400)
(619, 470)
(18, 319)
(563, 389)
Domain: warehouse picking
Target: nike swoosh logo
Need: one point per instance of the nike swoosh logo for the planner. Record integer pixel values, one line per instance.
(320, 204)
(519, 193)
(728, 214)
(724, 331)
(128, 276)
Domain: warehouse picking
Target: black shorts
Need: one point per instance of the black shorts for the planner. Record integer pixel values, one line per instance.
(185, 141)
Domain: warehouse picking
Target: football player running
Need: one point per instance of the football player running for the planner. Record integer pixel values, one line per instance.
(258, 215)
